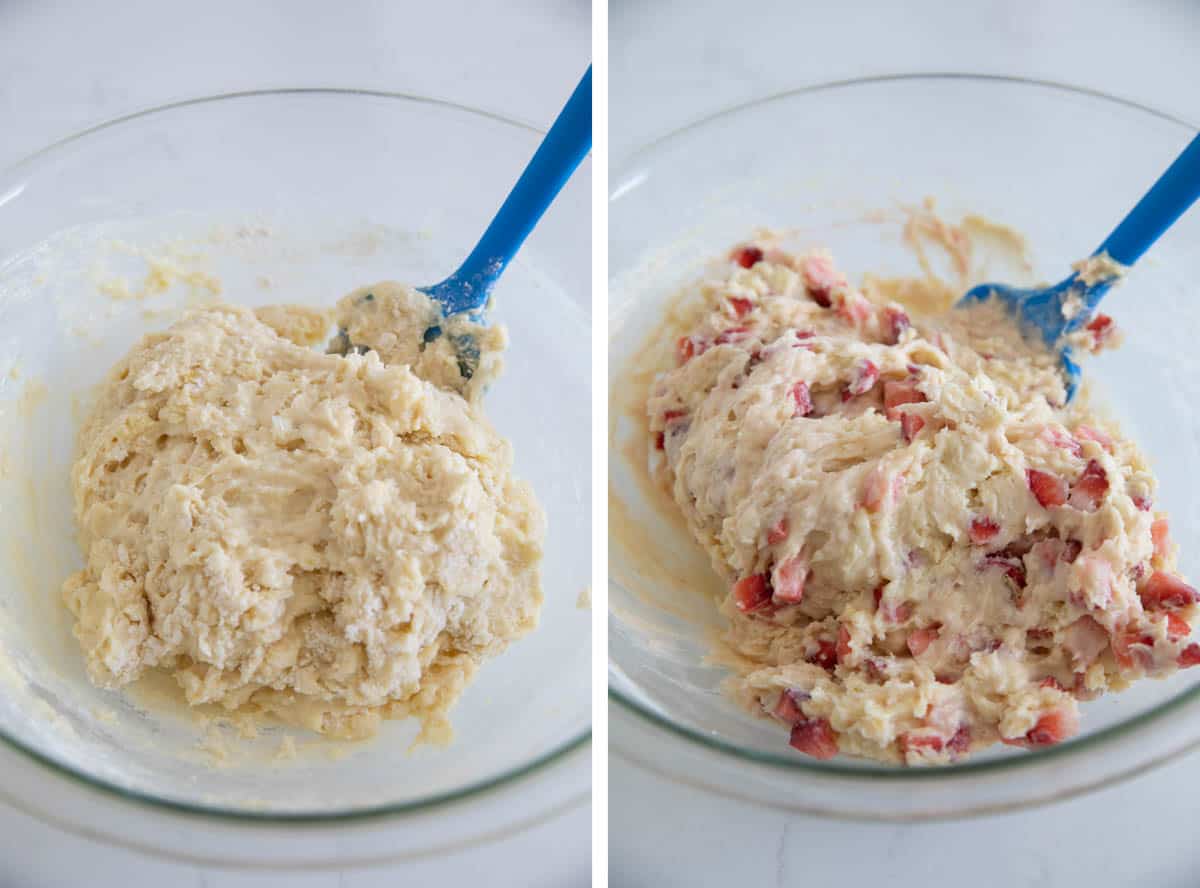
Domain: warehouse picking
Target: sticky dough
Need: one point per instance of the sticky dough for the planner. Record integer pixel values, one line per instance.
(332, 540)
(926, 552)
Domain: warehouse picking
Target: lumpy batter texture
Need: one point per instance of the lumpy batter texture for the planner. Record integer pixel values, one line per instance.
(926, 551)
(330, 539)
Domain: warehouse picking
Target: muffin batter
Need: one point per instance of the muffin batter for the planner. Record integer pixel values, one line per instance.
(926, 551)
(330, 539)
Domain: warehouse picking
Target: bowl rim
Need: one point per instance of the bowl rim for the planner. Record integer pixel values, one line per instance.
(221, 813)
(620, 172)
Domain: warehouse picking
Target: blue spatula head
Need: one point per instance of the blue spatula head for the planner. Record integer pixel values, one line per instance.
(1048, 313)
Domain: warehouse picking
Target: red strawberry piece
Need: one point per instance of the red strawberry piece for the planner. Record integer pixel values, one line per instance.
(1160, 534)
(1088, 492)
(1190, 656)
(1164, 591)
(863, 379)
(1144, 503)
(1130, 647)
(788, 709)
(826, 656)
(910, 426)
(1085, 640)
(920, 639)
(747, 257)
(685, 350)
(875, 490)
(815, 737)
(1049, 490)
(820, 279)
(752, 593)
(1059, 437)
(788, 581)
(895, 322)
(1102, 328)
(1053, 727)
(672, 415)
(1051, 682)
(733, 334)
(778, 532)
(741, 307)
(1177, 627)
(1013, 567)
(802, 335)
(802, 398)
(983, 530)
(854, 310)
(843, 643)
(660, 441)
(900, 391)
(911, 742)
(960, 743)
(1088, 433)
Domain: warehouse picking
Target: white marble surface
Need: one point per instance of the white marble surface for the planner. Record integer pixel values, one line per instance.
(675, 60)
(66, 65)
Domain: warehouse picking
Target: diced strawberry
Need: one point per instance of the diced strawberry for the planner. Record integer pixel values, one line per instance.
(920, 639)
(1049, 490)
(895, 322)
(820, 279)
(843, 643)
(672, 415)
(826, 656)
(747, 257)
(911, 742)
(1164, 591)
(685, 350)
(788, 581)
(787, 709)
(983, 530)
(875, 490)
(802, 398)
(802, 335)
(1051, 682)
(1053, 727)
(900, 391)
(733, 334)
(1177, 627)
(815, 737)
(1102, 328)
(752, 593)
(1190, 656)
(960, 743)
(1088, 492)
(741, 307)
(1160, 534)
(660, 441)
(1089, 433)
(1085, 640)
(865, 375)
(910, 426)
(1059, 437)
(1130, 647)
(1013, 567)
(853, 309)
(1144, 503)
(778, 532)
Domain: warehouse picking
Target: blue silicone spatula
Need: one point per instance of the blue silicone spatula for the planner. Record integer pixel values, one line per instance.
(467, 290)
(1042, 309)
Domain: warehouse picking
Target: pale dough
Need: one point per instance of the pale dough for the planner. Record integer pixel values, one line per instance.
(926, 552)
(332, 540)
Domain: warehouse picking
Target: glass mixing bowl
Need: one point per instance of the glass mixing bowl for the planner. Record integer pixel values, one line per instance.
(1060, 165)
(284, 196)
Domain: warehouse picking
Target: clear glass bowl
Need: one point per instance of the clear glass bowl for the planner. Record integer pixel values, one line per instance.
(284, 196)
(1060, 165)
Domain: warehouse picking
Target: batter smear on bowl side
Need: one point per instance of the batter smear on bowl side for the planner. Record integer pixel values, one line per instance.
(926, 552)
(331, 539)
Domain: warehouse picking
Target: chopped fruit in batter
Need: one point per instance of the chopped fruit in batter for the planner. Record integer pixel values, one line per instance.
(927, 553)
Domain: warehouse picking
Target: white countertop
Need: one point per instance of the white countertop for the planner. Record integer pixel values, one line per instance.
(66, 65)
(675, 60)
